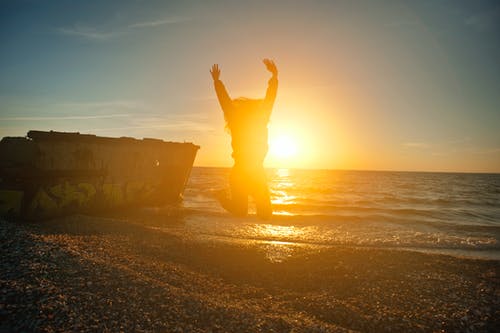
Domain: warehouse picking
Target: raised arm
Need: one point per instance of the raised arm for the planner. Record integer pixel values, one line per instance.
(222, 95)
(272, 87)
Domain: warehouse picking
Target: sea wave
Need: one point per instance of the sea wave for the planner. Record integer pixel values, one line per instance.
(383, 209)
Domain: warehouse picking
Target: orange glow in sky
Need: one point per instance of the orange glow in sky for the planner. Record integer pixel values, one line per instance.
(405, 85)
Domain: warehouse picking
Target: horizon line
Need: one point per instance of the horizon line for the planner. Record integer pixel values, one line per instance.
(360, 170)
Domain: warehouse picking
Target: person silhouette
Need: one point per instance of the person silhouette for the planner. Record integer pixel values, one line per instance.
(247, 121)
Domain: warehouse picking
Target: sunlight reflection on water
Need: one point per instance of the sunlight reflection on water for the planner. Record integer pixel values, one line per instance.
(280, 194)
(321, 207)
(277, 250)
(269, 231)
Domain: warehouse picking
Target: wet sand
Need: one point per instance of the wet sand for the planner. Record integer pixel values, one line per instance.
(106, 274)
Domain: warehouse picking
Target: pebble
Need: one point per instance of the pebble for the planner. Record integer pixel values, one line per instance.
(53, 278)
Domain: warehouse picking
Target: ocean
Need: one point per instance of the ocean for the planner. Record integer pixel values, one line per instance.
(449, 213)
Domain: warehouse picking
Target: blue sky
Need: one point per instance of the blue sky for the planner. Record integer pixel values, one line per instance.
(400, 85)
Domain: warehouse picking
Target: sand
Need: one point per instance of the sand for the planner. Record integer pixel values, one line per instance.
(85, 273)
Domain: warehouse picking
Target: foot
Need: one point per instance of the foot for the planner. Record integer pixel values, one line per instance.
(222, 198)
(229, 205)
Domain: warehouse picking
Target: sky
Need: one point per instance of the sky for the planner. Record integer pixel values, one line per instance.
(371, 85)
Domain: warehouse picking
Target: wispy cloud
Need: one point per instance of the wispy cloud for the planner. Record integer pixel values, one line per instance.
(451, 147)
(174, 127)
(485, 21)
(488, 151)
(174, 123)
(103, 105)
(99, 34)
(416, 144)
(402, 23)
(459, 141)
(71, 110)
(155, 23)
(87, 33)
(29, 118)
(109, 118)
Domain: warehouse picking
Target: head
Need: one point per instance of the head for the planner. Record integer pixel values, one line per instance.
(243, 109)
(246, 104)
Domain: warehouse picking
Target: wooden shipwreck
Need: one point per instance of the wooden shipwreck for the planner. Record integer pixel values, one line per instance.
(54, 173)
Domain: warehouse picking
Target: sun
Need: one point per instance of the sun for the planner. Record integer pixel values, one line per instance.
(283, 147)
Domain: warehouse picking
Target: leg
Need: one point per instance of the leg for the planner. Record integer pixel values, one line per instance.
(237, 202)
(261, 195)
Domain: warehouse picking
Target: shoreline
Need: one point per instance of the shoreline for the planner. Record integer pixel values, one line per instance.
(94, 273)
(472, 254)
(150, 219)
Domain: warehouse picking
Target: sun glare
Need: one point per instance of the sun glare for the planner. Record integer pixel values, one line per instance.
(283, 147)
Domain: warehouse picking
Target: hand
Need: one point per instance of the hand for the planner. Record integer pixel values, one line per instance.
(270, 66)
(215, 71)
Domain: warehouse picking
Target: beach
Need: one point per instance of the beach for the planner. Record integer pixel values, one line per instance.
(250, 166)
(107, 273)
